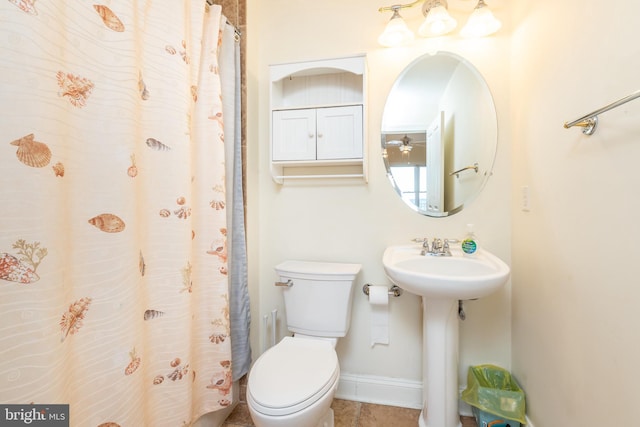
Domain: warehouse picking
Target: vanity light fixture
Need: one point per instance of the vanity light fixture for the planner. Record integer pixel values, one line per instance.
(437, 22)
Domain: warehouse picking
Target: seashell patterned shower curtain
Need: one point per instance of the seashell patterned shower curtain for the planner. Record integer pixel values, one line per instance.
(113, 230)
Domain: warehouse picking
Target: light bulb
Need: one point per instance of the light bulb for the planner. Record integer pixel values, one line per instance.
(437, 22)
(481, 22)
(396, 32)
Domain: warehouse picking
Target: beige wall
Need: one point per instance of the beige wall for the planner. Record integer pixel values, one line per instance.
(576, 340)
(355, 222)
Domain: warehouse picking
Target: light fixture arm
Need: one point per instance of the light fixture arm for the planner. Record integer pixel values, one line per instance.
(397, 7)
(426, 6)
(430, 4)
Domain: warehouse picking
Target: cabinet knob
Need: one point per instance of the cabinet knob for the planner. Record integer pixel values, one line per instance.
(320, 135)
(311, 135)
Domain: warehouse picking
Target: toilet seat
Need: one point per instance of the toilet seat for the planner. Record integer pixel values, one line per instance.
(292, 375)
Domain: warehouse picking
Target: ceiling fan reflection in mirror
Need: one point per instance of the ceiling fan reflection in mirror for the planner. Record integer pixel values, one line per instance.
(404, 144)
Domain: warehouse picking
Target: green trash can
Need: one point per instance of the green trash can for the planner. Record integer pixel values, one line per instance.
(495, 396)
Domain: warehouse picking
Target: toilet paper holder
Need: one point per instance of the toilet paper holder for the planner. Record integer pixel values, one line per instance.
(394, 290)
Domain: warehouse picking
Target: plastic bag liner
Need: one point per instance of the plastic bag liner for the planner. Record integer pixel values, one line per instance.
(492, 389)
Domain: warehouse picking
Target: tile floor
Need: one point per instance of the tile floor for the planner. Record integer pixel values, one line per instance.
(348, 413)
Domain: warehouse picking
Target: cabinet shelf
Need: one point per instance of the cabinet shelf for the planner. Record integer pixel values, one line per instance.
(318, 119)
(281, 178)
(307, 163)
(289, 171)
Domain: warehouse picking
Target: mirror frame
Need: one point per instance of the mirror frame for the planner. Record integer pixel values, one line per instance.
(488, 151)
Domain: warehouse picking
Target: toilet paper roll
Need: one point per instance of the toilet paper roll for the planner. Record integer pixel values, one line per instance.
(379, 301)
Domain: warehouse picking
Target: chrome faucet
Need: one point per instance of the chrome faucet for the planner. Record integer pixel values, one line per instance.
(438, 247)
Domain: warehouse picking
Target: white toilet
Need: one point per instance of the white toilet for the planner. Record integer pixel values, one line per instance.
(293, 383)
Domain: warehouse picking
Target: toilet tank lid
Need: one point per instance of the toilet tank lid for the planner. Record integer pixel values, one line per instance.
(312, 269)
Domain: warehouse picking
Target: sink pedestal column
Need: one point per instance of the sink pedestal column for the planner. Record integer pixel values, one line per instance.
(440, 363)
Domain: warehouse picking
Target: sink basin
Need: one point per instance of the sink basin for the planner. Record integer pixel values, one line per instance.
(442, 281)
(452, 277)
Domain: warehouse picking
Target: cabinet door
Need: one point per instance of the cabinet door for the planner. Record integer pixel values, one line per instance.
(339, 133)
(294, 135)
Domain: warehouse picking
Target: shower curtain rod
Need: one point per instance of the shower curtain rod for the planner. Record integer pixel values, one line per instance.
(238, 32)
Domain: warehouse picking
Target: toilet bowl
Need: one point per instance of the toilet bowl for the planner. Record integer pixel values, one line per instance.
(293, 383)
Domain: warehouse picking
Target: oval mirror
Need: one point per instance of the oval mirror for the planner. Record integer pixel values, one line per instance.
(439, 134)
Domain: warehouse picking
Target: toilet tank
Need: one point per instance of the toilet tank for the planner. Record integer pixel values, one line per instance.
(318, 302)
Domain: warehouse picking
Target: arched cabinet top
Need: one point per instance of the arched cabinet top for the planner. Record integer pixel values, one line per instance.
(352, 64)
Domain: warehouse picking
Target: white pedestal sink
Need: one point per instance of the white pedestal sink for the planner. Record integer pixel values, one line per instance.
(442, 281)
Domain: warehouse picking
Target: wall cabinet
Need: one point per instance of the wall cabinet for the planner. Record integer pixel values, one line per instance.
(318, 119)
(318, 134)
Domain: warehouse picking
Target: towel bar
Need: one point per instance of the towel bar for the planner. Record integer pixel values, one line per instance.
(589, 122)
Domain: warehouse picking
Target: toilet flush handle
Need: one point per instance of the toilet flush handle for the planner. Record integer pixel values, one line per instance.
(288, 283)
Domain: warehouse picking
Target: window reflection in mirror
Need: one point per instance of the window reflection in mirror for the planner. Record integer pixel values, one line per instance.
(406, 159)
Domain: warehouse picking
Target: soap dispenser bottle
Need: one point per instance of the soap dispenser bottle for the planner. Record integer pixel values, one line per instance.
(470, 243)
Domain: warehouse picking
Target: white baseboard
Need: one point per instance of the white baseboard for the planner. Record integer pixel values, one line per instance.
(381, 390)
(389, 391)
(386, 391)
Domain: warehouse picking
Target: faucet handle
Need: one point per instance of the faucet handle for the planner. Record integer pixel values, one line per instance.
(425, 246)
(445, 249)
(419, 239)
